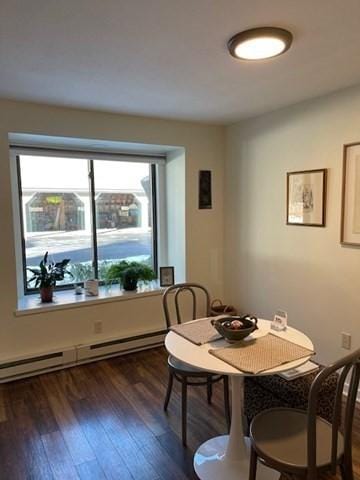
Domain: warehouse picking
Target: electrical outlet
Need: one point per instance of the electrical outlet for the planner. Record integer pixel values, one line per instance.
(346, 340)
(98, 327)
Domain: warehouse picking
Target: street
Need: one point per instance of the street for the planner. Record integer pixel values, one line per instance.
(113, 244)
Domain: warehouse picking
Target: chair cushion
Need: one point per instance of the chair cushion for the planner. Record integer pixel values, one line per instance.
(184, 367)
(297, 390)
(257, 399)
(280, 434)
(263, 392)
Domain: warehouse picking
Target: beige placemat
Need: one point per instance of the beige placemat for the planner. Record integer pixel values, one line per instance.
(261, 354)
(197, 331)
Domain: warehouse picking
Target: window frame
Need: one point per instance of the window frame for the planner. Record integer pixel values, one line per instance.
(156, 164)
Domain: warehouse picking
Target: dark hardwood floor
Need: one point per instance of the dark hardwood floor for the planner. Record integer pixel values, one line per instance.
(105, 420)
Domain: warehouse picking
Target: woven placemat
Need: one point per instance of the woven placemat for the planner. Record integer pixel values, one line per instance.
(197, 331)
(261, 354)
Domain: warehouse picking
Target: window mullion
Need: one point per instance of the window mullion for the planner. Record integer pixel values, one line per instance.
(23, 248)
(93, 218)
(154, 218)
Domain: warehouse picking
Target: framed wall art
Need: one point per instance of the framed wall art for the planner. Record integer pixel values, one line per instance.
(167, 277)
(350, 207)
(306, 198)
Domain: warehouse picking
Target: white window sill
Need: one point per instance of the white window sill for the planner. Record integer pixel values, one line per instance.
(66, 299)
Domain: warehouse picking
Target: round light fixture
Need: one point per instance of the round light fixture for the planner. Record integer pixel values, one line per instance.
(260, 43)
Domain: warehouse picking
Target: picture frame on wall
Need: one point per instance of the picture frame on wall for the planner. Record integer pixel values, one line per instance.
(306, 198)
(205, 191)
(167, 276)
(350, 204)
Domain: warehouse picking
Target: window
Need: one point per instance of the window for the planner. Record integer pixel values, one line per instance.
(123, 201)
(94, 211)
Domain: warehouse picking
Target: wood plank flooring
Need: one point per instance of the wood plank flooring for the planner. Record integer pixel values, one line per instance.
(105, 421)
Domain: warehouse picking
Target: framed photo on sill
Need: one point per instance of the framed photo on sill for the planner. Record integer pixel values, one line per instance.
(350, 206)
(167, 276)
(306, 198)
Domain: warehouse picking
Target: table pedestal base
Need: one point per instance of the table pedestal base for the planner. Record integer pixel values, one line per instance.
(211, 463)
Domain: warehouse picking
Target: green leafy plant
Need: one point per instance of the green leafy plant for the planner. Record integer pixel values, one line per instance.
(84, 271)
(81, 271)
(48, 273)
(130, 273)
(104, 266)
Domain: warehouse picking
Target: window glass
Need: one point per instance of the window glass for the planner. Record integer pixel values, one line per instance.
(123, 213)
(56, 213)
(56, 202)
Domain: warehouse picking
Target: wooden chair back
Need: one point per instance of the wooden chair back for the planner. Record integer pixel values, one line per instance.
(176, 291)
(347, 367)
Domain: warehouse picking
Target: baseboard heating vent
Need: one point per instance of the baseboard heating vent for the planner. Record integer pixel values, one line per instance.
(118, 346)
(23, 367)
(17, 368)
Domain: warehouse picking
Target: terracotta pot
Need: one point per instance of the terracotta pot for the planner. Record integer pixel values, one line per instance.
(46, 294)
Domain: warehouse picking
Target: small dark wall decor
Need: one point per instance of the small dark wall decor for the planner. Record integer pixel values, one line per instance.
(205, 200)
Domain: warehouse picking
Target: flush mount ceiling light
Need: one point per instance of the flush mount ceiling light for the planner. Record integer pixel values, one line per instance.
(260, 43)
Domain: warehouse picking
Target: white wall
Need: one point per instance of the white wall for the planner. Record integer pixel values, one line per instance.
(175, 212)
(204, 147)
(269, 265)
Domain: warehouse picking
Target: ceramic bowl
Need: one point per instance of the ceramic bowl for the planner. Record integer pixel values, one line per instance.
(247, 324)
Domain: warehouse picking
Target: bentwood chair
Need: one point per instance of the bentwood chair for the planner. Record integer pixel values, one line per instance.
(302, 444)
(194, 294)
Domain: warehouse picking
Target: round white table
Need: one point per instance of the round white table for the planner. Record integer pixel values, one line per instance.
(227, 457)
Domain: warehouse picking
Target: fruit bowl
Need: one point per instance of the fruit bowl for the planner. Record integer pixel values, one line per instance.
(234, 329)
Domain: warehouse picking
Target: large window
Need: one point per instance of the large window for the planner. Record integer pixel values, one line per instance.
(95, 212)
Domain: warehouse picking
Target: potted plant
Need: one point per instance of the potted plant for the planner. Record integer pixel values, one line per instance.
(46, 276)
(81, 272)
(130, 273)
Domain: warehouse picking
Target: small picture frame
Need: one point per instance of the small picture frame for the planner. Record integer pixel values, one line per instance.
(167, 276)
(306, 198)
(279, 322)
(350, 207)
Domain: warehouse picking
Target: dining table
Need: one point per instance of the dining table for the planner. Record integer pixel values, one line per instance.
(226, 457)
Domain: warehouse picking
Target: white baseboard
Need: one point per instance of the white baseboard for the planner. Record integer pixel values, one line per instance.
(28, 366)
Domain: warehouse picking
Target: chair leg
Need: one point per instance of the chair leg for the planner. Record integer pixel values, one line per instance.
(346, 471)
(183, 409)
(169, 390)
(227, 402)
(253, 464)
(209, 389)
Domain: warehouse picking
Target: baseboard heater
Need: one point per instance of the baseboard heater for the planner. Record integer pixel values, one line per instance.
(119, 346)
(28, 366)
(18, 368)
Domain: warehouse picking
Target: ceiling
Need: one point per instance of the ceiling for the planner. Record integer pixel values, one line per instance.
(168, 58)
